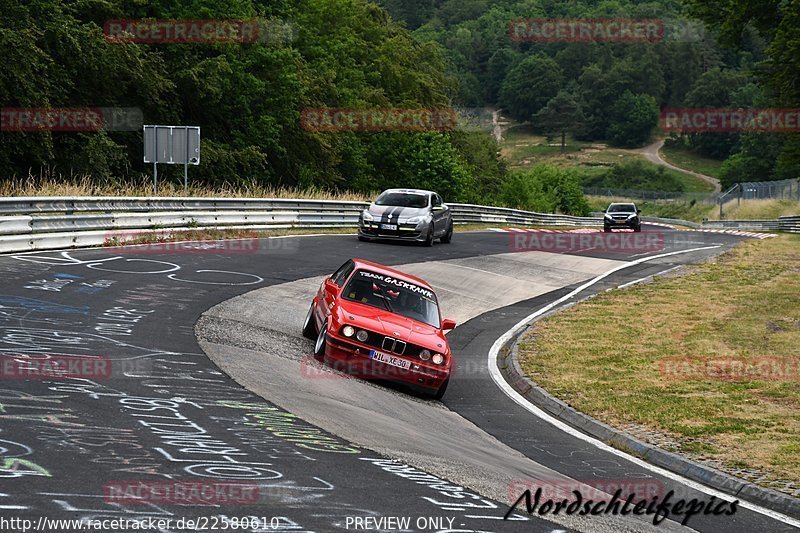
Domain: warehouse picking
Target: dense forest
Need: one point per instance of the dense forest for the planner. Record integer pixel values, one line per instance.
(717, 53)
(248, 97)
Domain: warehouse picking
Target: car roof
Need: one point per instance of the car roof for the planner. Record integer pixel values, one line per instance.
(621, 203)
(410, 191)
(388, 270)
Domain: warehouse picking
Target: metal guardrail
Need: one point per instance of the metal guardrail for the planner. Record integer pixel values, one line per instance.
(133, 204)
(32, 223)
(748, 225)
(790, 224)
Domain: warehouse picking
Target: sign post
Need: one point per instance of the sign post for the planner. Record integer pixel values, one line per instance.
(173, 145)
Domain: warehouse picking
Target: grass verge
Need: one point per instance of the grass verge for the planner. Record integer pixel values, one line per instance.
(683, 157)
(643, 358)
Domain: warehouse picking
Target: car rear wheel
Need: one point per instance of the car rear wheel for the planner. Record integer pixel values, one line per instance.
(309, 325)
(448, 236)
(439, 393)
(319, 346)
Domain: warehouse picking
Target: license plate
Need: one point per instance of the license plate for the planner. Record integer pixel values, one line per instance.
(389, 360)
(392, 227)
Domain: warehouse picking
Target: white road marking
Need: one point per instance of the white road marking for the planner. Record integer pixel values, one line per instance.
(509, 391)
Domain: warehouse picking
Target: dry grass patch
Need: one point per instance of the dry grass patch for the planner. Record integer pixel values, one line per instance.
(85, 186)
(611, 357)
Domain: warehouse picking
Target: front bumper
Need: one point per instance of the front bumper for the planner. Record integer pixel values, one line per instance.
(404, 232)
(353, 358)
(632, 223)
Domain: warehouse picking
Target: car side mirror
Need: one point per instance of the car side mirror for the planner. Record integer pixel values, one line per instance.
(638, 211)
(448, 324)
(330, 286)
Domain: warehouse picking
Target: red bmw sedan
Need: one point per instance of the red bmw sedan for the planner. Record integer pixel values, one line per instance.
(377, 323)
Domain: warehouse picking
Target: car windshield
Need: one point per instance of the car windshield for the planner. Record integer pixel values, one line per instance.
(394, 295)
(402, 199)
(621, 208)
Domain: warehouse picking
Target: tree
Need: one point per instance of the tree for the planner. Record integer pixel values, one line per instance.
(562, 114)
(633, 117)
(529, 85)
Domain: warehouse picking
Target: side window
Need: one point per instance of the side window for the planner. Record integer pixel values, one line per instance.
(437, 200)
(341, 275)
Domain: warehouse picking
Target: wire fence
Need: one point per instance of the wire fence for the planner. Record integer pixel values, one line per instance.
(758, 190)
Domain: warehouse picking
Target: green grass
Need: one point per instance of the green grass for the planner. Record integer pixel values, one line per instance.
(691, 183)
(614, 357)
(522, 148)
(683, 157)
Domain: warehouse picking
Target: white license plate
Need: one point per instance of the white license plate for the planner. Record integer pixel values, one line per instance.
(389, 360)
(392, 227)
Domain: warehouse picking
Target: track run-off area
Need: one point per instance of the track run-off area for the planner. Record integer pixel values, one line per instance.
(190, 367)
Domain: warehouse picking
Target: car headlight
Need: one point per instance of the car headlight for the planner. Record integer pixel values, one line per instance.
(438, 358)
(631, 216)
(362, 335)
(415, 220)
(367, 216)
(607, 216)
(424, 355)
(348, 331)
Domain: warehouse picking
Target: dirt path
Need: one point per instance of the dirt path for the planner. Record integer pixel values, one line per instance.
(650, 152)
(497, 131)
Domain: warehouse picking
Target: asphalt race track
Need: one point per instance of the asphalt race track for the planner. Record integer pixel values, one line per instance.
(150, 406)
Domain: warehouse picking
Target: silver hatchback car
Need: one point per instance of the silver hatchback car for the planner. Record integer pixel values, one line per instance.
(406, 215)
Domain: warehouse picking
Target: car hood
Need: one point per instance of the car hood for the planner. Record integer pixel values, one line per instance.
(392, 325)
(387, 212)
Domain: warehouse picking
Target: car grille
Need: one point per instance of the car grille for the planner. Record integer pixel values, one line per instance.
(392, 345)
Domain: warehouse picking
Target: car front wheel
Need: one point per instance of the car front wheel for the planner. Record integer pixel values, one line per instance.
(309, 327)
(429, 238)
(440, 392)
(448, 236)
(319, 346)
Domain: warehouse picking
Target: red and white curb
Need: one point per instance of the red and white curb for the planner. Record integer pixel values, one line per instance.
(753, 234)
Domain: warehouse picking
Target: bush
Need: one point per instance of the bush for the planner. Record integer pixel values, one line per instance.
(545, 189)
(633, 117)
(636, 175)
